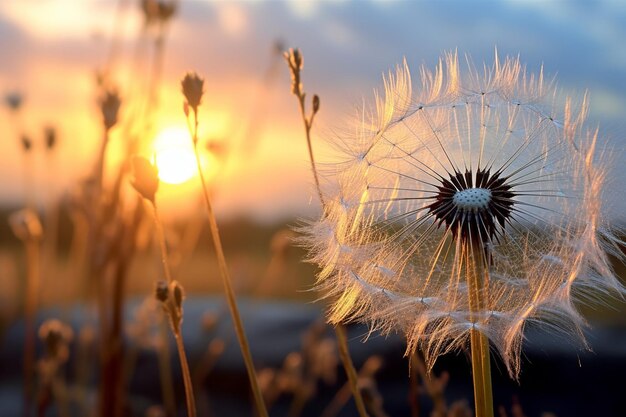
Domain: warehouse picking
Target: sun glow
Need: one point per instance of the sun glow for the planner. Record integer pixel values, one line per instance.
(174, 156)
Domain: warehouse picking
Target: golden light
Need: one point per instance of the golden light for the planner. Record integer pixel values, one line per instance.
(174, 156)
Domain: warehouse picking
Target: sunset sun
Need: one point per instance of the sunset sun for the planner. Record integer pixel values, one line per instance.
(174, 156)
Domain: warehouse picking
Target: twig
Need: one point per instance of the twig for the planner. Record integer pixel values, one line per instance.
(295, 62)
(225, 275)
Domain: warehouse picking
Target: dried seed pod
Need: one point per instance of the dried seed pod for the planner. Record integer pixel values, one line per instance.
(14, 101)
(193, 89)
(50, 137)
(178, 293)
(110, 106)
(26, 225)
(161, 291)
(146, 178)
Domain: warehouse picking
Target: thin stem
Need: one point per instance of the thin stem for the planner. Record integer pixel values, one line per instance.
(162, 244)
(175, 313)
(184, 364)
(308, 123)
(165, 372)
(477, 277)
(339, 330)
(230, 294)
(30, 315)
(99, 173)
(344, 354)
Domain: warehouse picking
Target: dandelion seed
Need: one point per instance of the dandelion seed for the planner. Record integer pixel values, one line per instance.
(474, 167)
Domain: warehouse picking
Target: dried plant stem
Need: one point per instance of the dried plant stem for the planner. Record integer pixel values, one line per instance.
(477, 274)
(344, 354)
(230, 294)
(294, 60)
(162, 245)
(184, 364)
(30, 314)
(99, 173)
(165, 372)
(308, 124)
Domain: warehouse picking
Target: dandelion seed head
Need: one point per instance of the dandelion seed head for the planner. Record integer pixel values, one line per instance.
(472, 164)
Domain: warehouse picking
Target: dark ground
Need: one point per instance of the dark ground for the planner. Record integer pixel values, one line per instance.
(557, 376)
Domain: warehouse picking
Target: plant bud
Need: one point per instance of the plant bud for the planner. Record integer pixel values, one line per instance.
(27, 144)
(316, 103)
(110, 106)
(50, 136)
(14, 101)
(193, 89)
(162, 291)
(295, 58)
(56, 336)
(26, 225)
(178, 293)
(146, 178)
(165, 10)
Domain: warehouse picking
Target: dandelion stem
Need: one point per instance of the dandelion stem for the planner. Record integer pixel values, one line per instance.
(230, 294)
(477, 277)
(342, 340)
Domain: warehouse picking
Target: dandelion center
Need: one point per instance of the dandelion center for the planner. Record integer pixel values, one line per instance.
(472, 199)
(475, 206)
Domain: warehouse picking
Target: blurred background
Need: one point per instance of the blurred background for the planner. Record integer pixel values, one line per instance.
(58, 56)
(52, 49)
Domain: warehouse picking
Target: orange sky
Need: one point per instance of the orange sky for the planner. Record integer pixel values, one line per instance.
(50, 50)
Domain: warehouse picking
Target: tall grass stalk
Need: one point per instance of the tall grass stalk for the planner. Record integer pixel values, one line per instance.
(193, 93)
(165, 372)
(346, 359)
(32, 298)
(26, 227)
(295, 62)
(146, 182)
(178, 336)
